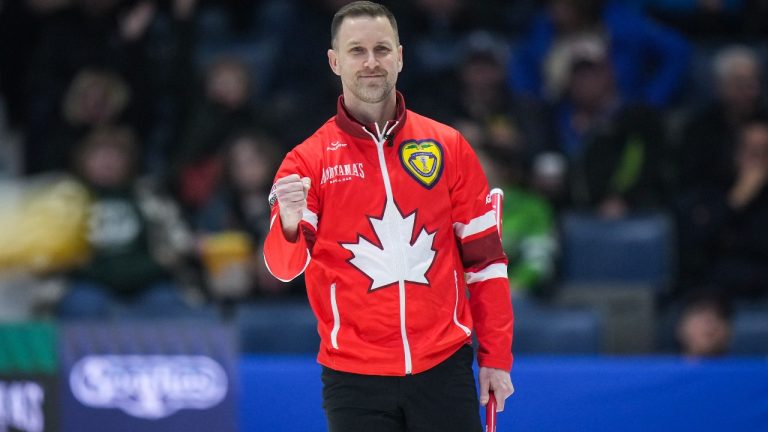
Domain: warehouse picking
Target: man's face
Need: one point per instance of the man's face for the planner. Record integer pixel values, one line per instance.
(228, 86)
(590, 83)
(106, 165)
(367, 57)
(741, 88)
(704, 333)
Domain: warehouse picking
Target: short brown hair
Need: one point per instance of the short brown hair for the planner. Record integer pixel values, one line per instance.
(118, 94)
(361, 8)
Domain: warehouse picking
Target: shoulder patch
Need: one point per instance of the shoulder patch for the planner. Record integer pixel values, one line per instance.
(423, 160)
(272, 196)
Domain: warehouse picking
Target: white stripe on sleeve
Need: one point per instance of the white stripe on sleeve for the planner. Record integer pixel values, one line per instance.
(307, 216)
(310, 217)
(476, 225)
(498, 270)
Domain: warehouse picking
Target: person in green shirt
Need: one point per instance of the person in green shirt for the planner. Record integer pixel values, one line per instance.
(137, 238)
(529, 228)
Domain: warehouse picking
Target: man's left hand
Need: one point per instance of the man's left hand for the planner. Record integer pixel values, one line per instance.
(497, 380)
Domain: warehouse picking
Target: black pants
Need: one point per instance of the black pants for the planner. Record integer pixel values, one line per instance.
(442, 399)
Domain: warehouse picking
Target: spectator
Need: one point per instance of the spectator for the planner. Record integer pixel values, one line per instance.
(137, 239)
(528, 239)
(616, 149)
(724, 239)
(478, 102)
(95, 97)
(704, 328)
(225, 106)
(636, 45)
(240, 208)
(103, 34)
(436, 29)
(708, 138)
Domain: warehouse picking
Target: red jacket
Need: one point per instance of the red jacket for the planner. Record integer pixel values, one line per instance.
(399, 224)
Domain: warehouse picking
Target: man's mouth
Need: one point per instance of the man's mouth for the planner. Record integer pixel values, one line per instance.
(372, 76)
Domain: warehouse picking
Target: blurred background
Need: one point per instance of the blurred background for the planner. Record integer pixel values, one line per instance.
(139, 140)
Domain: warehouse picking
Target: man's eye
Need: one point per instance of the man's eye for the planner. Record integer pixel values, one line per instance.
(356, 50)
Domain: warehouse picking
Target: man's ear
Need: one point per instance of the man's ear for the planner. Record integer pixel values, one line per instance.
(399, 58)
(333, 61)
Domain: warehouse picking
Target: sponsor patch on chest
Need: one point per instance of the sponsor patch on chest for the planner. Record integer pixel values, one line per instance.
(423, 160)
(342, 172)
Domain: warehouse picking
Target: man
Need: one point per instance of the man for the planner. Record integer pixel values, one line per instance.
(723, 235)
(706, 146)
(389, 214)
(705, 326)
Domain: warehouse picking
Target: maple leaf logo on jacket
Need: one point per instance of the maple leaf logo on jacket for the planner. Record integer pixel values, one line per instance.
(397, 258)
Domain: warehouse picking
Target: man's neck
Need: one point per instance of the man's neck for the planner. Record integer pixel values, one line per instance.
(368, 113)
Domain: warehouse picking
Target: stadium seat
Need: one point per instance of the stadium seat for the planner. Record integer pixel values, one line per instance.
(543, 329)
(628, 314)
(617, 266)
(633, 251)
(277, 327)
(750, 332)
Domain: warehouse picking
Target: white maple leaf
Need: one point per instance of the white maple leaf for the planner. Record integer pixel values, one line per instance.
(397, 258)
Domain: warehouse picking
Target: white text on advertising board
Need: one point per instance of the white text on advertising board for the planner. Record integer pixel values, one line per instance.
(21, 406)
(148, 386)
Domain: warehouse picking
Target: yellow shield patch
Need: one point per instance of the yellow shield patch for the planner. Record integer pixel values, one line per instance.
(423, 160)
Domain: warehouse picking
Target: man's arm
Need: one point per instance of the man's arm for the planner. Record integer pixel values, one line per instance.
(291, 194)
(293, 222)
(671, 52)
(486, 273)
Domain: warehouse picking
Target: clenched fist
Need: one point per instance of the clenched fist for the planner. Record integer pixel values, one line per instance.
(291, 192)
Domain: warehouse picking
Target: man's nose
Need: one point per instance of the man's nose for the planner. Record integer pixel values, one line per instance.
(371, 62)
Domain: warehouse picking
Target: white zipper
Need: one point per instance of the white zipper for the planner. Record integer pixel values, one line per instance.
(456, 307)
(336, 320)
(399, 264)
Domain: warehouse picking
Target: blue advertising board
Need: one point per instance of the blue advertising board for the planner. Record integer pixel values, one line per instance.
(148, 376)
(553, 394)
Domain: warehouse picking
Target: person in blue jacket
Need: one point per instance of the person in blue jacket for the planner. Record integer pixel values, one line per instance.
(650, 60)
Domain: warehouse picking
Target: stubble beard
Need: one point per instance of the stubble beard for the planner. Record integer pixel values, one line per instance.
(370, 93)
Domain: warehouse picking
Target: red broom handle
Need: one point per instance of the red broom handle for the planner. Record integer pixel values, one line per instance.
(497, 202)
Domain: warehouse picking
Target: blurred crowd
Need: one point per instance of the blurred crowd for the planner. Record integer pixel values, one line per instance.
(156, 126)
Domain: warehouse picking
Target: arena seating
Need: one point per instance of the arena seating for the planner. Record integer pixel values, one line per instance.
(618, 266)
(750, 330)
(546, 329)
(635, 250)
(277, 327)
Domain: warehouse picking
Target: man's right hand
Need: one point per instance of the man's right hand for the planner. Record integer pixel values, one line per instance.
(291, 192)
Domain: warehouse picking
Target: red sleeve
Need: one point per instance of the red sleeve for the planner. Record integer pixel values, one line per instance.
(286, 260)
(485, 263)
